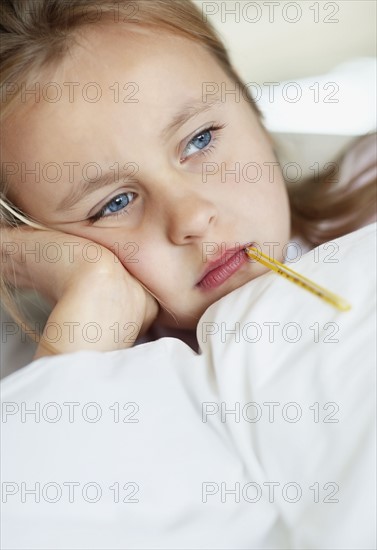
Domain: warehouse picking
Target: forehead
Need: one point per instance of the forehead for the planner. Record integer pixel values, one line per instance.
(112, 73)
(155, 65)
(135, 48)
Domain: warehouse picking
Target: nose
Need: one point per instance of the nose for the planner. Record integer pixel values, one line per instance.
(188, 215)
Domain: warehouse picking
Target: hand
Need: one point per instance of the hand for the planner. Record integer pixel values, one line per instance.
(61, 267)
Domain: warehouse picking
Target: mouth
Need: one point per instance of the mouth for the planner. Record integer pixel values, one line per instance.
(223, 268)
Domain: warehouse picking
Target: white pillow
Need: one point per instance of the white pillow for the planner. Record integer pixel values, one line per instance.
(176, 459)
(315, 119)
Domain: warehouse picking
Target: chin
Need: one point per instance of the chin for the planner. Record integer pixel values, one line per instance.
(179, 320)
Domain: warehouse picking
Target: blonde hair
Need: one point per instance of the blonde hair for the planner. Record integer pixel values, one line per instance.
(35, 36)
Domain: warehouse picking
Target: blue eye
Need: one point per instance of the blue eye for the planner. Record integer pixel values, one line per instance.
(202, 140)
(199, 142)
(116, 205)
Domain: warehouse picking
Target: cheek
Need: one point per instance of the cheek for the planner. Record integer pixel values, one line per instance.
(247, 156)
(146, 264)
(260, 172)
(128, 253)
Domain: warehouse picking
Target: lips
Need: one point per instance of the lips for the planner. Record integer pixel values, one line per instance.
(219, 270)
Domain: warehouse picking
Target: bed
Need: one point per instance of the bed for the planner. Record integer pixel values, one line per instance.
(264, 439)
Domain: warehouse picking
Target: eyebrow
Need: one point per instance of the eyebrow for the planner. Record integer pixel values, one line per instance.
(190, 109)
(86, 187)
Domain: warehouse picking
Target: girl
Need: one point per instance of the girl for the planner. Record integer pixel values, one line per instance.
(119, 156)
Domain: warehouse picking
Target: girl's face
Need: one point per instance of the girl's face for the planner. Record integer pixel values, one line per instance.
(187, 173)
